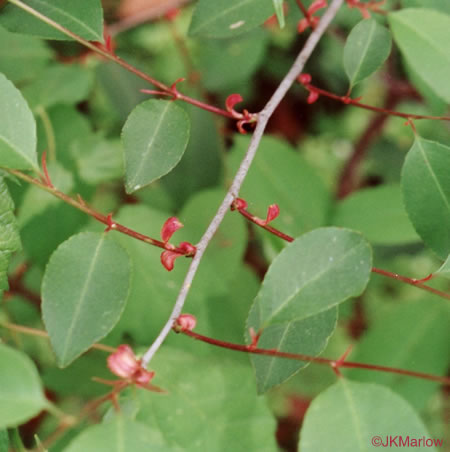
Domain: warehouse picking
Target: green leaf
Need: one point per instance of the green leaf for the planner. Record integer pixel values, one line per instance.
(425, 349)
(280, 175)
(82, 17)
(378, 213)
(211, 404)
(4, 441)
(308, 336)
(58, 85)
(278, 6)
(22, 57)
(9, 234)
(17, 129)
(354, 417)
(317, 271)
(154, 138)
(423, 37)
(366, 49)
(440, 5)
(84, 291)
(21, 395)
(227, 18)
(426, 192)
(118, 435)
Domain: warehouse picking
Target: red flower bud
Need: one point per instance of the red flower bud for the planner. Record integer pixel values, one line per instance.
(168, 259)
(142, 376)
(123, 363)
(185, 322)
(272, 212)
(171, 225)
(231, 101)
(304, 79)
(302, 25)
(239, 204)
(313, 96)
(187, 248)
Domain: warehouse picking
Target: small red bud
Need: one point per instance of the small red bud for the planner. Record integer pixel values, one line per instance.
(187, 248)
(142, 376)
(185, 322)
(231, 101)
(304, 79)
(239, 204)
(313, 96)
(172, 14)
(171, 225)
(316, 5)
(272, 212)
(302, 25)
(123, 363)
(168, 259)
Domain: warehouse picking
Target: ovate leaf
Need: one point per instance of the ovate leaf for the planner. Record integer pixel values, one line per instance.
(317, 271)
(154, 137)
(9, 234)
(366, 49)
(17, 129)
(82, 17)
(423, 36)
(354, 417)
(426, 192)
(227, 18)
(84, 291)
(307, 336)
(21, 395)
(119, 435)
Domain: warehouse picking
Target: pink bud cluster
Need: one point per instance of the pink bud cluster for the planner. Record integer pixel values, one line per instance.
(305, 80)
(245, 117)
(168, 256)
(310, 20)
(184, 322)
(273, 211)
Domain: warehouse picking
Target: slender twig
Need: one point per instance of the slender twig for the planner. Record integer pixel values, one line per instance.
(263, 118)
(355, 102)
(411, 281)
(105, 219)
(100, 50)
(303, 9)
(40, 333)
(339, 363)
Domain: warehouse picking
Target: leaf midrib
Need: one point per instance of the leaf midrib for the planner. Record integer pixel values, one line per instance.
(358, 67)
(77, 312)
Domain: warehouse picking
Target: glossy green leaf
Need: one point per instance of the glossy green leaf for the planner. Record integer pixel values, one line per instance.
(423, 36)
(367, 48)
(280, 175)
(278, 6)
(211, 404)
(83, 17)
(119, 435)
(21, 394)
(317, 271)
(58, 84)
(154, 138)
(378, 213)
(22, 57)
(17, 129)
(439, 5)
(84, 292)
(307, 336)
(358, 417)
(9, 234)
(227, 18)
(425, 348)
(426, 192)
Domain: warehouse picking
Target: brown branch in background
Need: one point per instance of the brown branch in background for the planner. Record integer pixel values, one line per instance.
(349, 178)
(334, 364)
